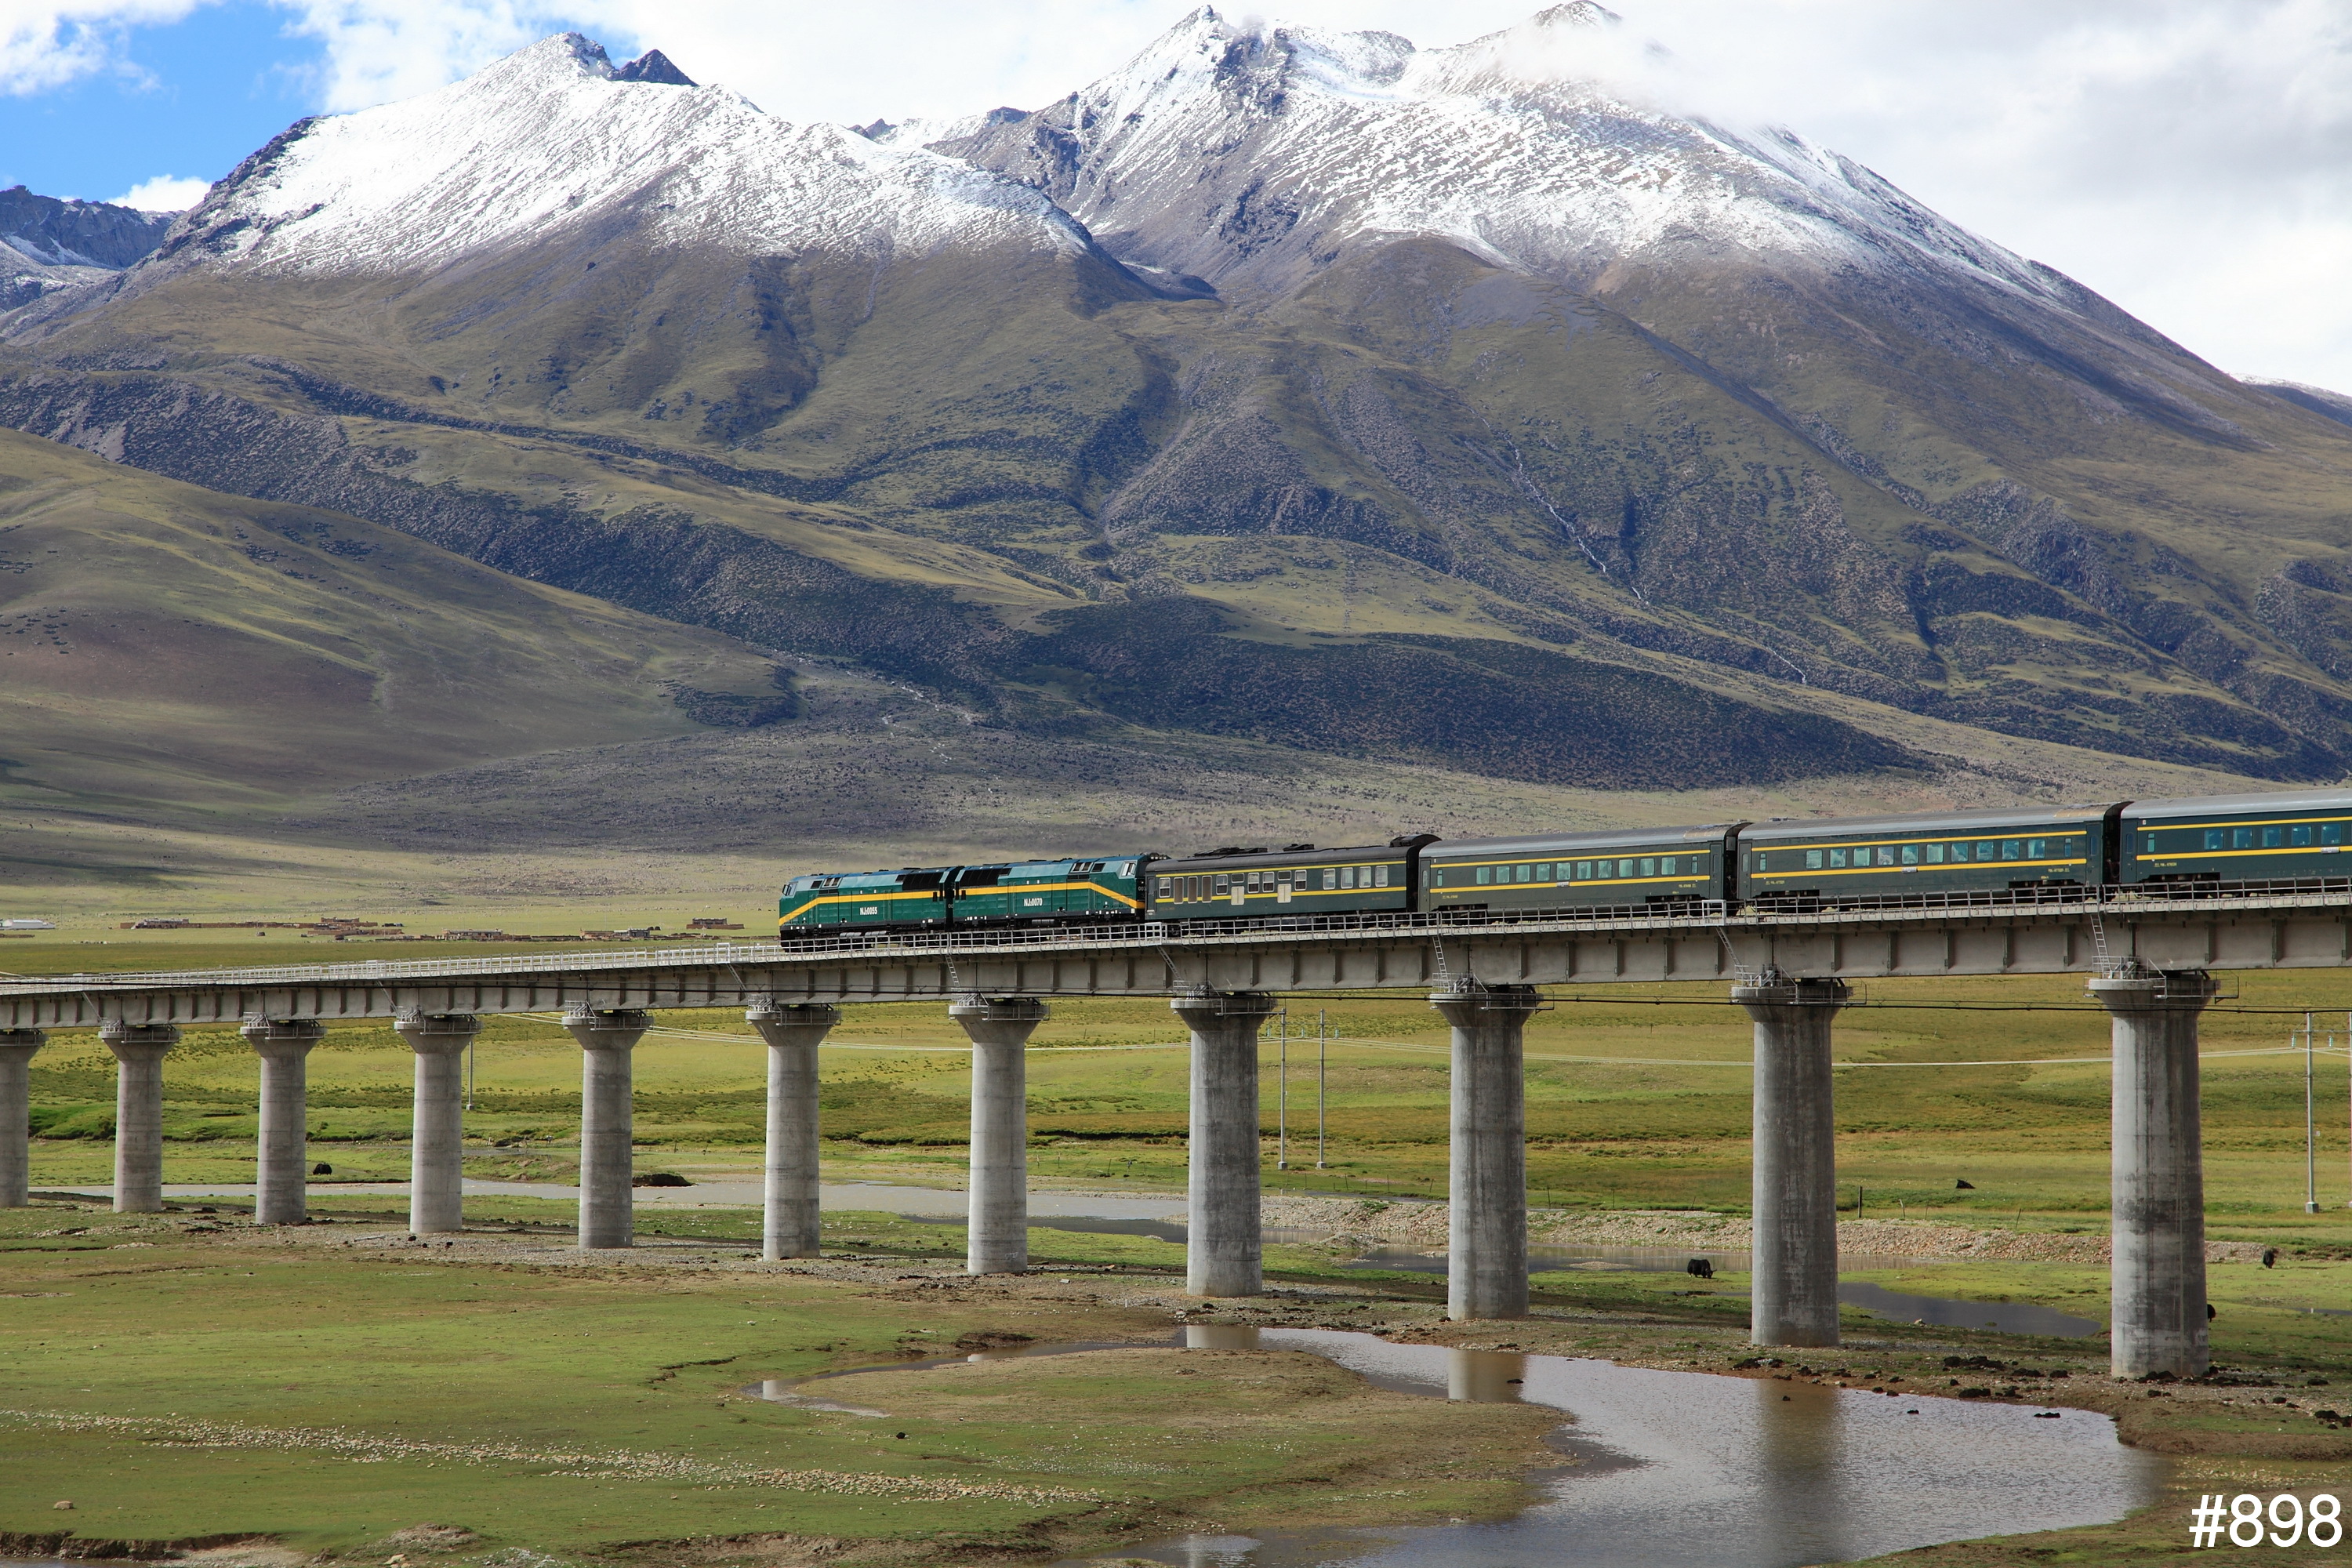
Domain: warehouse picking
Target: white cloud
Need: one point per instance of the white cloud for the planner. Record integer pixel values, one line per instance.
(378, 50)
(165, 193)
(46, 44)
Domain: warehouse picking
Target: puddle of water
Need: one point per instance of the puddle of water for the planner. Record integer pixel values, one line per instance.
(2000, 1317)
(1680, 1470)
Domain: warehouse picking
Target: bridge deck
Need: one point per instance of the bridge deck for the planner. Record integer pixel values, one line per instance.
(1954, 937)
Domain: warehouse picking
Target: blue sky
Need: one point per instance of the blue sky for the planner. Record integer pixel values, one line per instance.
(188, 97)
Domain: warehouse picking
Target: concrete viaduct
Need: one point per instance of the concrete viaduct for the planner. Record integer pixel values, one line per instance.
(2149, 962)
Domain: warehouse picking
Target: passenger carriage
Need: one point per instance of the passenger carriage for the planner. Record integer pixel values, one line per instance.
(2044, 853)
(1253, 884)
(1639, 870)
(2292, 840)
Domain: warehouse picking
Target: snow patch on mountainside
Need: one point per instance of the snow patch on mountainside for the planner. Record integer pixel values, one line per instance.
(1232, 147)
(550, 140)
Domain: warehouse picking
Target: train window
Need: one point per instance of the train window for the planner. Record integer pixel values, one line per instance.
(1485, 875)
(1167, 887)
(1625, 868)
(1812, 859)
(1886, 854)
(2331, 833)
(2272, 837)
(1960, 853)
(2242, 838)
(1543, 872)
(1985, 847)
(1837, 856)
(1934, 853)
(1584, 870)
(1759, 860)
(1650, 867)
(2010, 847)
(1223, 885)
(1331, 879)
(1667, 866)
(2299, 835)
(1380, 876)
(2037, 849)
(2212, 839)
(1910, 856)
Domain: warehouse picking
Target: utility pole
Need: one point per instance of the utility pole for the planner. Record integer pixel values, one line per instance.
(2310, 1144)
(1282, 1101)
(1318, 1088)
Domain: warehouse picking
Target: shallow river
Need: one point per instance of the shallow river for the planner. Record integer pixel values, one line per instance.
(1678, 1468)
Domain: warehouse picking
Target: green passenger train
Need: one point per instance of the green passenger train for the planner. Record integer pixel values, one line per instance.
(2203, 847)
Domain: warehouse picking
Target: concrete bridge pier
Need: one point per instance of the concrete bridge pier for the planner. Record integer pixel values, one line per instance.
(2157, 1291)
(1794, 1160)
(1486, 1214)
(997, 1241)
(436, 1144)
(16, 1049)
(607, 1121)
(791, 1225)
(139, 1052)
(1223, 1254)
(281, 1173)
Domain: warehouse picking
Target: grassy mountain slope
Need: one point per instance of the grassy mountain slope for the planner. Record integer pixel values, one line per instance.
(163, 643)
(1744, 519)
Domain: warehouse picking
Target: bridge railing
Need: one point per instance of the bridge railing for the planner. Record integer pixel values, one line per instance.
(2108, 903)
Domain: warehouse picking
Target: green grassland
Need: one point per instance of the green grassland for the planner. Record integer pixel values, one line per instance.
(576, 1410)
(1626, 1105)
(329, 1400)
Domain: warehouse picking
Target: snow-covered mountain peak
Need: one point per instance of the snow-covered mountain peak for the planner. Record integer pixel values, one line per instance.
(1256, 152)
(555, 139)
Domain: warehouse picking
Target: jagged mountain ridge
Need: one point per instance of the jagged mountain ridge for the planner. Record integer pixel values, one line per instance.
(1256, 153)
(1588, 482)
(47, 245)
(556, 138)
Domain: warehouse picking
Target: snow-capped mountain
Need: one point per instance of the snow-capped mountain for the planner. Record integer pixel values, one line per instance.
(555, 139)
(1518, 386)
(1258, 150)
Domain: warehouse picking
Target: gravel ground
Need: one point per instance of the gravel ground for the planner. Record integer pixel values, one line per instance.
(1368, 1222)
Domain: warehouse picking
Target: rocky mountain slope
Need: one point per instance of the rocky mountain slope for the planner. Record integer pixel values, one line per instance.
(1290, 385)
(47, 245)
